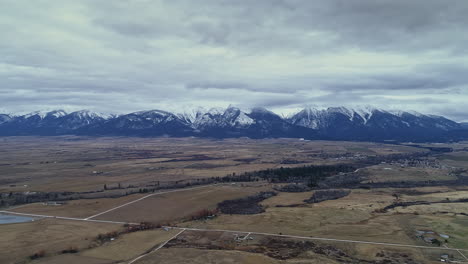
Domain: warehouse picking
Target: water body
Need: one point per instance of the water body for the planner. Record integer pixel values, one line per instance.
(11, 219)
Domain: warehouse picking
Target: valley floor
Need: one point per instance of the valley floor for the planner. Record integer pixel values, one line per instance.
(357, 228)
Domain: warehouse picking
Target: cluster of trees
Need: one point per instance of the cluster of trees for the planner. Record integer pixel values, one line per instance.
(325, 195)
(406, 204)
(309, 175)
(247, 205)
(294, 187)
(15, 198)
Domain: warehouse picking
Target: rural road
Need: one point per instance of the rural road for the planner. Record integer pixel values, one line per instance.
(182, 229)
(159, 247)
(317, 238)
(67, 218)
(246, 232)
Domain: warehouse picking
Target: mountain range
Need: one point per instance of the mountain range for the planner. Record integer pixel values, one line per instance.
(333, 123)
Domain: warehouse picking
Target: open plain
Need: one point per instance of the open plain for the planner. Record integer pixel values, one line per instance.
(158, 200)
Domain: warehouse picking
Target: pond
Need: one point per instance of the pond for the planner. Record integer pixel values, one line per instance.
(10, 219)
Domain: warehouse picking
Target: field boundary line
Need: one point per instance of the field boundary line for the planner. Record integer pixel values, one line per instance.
(68, 218)
(319, 238)
(462, 254)
(144, 197)
(158, 248)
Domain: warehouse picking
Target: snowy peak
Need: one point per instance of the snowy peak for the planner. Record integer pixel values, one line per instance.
(46, 114)
(81, 118)
(352, 119)
(333, 123)
(154, 112)
(201, 118)
(235, 117)
(149, 117)
(365, 113)
(306, 118)
(87, 114)
(192, 115)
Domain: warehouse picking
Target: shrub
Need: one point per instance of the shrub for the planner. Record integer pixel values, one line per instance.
(203, 214)
(70, 250)
(38, 254)
(142, 226)
(107, 236)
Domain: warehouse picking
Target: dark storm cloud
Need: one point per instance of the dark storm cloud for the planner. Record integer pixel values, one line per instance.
(377, 25)
(279, 54)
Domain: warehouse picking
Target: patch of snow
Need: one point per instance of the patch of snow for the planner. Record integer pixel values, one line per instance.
(192, 115)
(87, 114)
(216, 111)
(43, 114)
(365, 112)
(244, 120)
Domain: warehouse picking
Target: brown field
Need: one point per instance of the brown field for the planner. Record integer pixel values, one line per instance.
(351, 217)
(221, 247)
(76, 208)
(179, 205)
(70, 259)
(344, 220)
(199, 256)
(129, 246)
(387, 172)
(67, 163)
(19, 241)
(456, 159)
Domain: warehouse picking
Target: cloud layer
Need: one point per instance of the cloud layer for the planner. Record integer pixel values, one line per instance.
(121, 56)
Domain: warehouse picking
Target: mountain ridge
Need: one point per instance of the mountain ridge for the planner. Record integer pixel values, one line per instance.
(333, 123)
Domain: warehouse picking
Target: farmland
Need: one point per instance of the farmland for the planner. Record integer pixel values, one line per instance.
(392, 202)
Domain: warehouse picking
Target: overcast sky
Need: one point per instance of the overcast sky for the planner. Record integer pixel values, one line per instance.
(122, 56)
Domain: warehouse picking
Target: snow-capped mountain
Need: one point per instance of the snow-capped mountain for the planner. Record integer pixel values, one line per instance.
(320, 118)
(372, 123)
(201, 119)
(143, 123)
(335, 123)
(80, 119)
(49, 123)
(39, 122)
(233, 122)
(44, 114)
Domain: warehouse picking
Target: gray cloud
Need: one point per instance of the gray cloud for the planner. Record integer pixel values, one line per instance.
(273, 53)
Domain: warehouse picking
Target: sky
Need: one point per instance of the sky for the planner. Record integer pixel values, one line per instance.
(123, 56)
